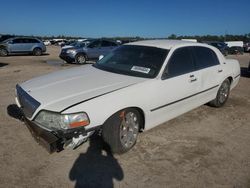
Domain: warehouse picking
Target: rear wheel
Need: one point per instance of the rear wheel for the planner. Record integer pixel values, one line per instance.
(3, 52)
(120, 131)
(37, 51)
(80, 59)
(222, 94)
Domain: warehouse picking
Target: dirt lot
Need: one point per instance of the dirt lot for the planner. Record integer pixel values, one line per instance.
(206, 147)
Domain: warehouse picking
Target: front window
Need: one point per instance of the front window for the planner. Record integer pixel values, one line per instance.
(181, 62)
(140, 61)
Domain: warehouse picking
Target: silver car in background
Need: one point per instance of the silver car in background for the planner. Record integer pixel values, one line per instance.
(22, 45)
(87, 50)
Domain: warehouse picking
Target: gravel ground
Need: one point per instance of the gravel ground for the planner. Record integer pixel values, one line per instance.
(207, 147)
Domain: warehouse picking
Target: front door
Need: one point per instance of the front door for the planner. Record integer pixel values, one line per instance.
(94, 49)
(16, 45)
(178, 90)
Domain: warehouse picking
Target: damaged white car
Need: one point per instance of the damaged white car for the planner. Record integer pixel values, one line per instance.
(134, 88)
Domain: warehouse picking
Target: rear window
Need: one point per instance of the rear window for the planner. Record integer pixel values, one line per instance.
(107, 43)
(205, 57)
(33, 41)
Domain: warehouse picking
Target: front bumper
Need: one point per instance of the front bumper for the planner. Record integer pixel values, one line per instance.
(66, 57)
(47, 139)
(54, 140)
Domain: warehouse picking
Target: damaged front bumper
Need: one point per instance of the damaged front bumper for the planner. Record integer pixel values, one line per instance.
(57, 140)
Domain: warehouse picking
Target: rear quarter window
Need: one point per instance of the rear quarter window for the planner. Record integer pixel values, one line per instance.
(205, 57)
(33, 41)
(108, 43)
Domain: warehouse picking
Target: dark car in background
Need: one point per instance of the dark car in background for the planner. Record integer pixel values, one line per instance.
(92, 50)
(235, 50)
(5, 37)
(22, 45)
(248, 67)
(219, 45)
(247, 47)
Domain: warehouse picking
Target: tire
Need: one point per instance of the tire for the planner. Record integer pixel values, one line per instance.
(3, 52)
(80, 59)
(37, 52)
(222, 94)
(120, 131)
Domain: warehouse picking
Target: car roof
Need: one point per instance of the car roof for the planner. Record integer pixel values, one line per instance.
(209, 42)
(12, 38)
(166, 44)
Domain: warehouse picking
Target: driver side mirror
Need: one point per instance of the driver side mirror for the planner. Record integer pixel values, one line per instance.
(10, 42)
(164, 76)
(100, 57)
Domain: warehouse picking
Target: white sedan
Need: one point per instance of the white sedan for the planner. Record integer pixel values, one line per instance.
(134, 88)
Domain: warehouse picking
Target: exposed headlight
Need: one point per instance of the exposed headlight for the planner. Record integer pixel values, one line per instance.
(71, 51)
(53, 120)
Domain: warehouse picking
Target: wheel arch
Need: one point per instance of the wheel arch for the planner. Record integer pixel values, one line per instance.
(141, 112)
(81, 53)
(4, 47)
(36, 47)
(230, 78)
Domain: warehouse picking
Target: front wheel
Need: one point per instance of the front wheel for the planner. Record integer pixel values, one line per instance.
(222, 94)
(3, 52)
(80, 59)
(37, 52)
(120, 131)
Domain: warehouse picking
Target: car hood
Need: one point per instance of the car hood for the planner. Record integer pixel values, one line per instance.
(2, 43)
(68, 47)
(59, 90)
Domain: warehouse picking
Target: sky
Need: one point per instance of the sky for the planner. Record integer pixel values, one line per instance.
(106, 18)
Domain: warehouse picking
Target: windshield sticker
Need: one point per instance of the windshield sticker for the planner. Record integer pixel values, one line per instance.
(140, 69)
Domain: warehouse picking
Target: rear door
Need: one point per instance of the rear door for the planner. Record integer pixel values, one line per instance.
(210, 69)
(94, 49)
(27, 45)
(107, 46)
(30, 44)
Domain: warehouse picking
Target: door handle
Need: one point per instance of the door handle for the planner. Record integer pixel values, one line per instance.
(220, 70)
(192, 78)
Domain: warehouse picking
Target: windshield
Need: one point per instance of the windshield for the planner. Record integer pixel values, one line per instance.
(81, 44)
(140, 61)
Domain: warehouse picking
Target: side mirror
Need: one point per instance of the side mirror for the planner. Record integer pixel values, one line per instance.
(10, 42)
(100, 57)
(165, 75)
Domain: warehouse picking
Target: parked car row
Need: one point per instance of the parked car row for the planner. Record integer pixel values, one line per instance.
(222, 46)
(79, 51)
(236, 47)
